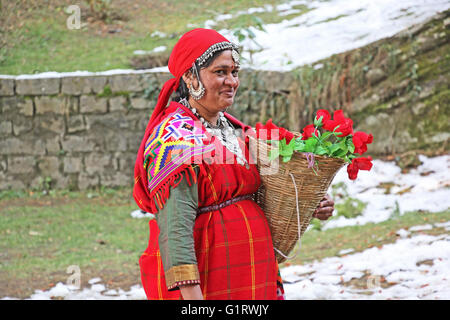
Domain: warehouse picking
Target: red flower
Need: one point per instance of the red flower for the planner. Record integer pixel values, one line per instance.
(270, 131)
(361, 140)
(308, 131)
(266, 131)
(286, 134)
(358, 164)
(345, 124)
(324, 114)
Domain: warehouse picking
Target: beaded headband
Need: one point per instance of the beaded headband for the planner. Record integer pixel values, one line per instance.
(219, 47)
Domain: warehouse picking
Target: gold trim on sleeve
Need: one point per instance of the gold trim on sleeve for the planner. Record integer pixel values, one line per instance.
(184, 273)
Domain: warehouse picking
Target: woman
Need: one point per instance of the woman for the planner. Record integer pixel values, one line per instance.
(209, 239)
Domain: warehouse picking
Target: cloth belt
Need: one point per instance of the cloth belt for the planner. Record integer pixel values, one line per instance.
(224, 204)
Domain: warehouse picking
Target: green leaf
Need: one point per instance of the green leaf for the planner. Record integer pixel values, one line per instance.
(320, 150)
(350, 145)
(318, 122)
(291, 145)
(333, 149)
(285, 152)
(326, 135)
(299, 145)
(287, 158)
(341, 153)
(334, 130)
(310, 144)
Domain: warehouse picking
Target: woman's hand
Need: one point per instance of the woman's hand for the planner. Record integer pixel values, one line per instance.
(325, 209)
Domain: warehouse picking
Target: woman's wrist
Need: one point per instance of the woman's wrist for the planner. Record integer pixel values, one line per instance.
(191, 292)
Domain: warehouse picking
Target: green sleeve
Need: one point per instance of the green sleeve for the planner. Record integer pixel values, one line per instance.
(176, 238)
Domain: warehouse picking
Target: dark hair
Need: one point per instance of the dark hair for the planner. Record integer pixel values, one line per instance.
(182, 90)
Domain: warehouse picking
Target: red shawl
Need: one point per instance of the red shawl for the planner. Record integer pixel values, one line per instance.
(190, 46)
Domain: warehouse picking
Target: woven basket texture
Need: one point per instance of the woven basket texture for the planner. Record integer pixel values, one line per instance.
(277, 195)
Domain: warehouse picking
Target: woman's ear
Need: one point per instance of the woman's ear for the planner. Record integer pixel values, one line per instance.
(188, 77)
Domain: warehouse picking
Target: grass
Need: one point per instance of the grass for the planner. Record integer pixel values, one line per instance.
(42, 235)
(36, 37)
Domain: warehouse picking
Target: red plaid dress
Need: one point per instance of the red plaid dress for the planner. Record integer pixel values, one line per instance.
(233, 244)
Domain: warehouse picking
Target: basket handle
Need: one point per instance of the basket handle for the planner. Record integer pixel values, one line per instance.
(298, 223)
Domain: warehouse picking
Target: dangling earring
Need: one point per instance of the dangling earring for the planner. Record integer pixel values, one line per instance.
(198, 93)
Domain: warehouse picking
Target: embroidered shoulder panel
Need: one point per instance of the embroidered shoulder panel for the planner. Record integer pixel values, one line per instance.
(176, 142)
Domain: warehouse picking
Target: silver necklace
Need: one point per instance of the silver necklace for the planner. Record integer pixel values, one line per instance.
(224, 131)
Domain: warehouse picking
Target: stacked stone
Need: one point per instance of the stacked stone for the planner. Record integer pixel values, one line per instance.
(73, 132)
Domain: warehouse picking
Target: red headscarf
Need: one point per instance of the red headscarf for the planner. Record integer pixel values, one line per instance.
(190, 46)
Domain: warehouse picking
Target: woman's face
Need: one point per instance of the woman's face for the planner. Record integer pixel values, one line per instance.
(221, 82)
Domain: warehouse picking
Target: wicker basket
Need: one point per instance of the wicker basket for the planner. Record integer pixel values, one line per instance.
(286, 185)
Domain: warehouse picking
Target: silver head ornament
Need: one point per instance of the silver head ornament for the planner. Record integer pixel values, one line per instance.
(235, 56)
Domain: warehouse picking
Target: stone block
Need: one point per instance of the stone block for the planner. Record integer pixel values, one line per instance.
(75, 123)
(55, 105)
(86, 181)
(115, 179)
(134, 141)
(375, 75)
(7, 182)
(26, 107)
(8, 104)
(3, 164)
(161, 77)
(5, 128)
(126, 162)
(22, 164)
(439, 137)
(6, 87)
(384, 126)
(21, 125)
(48, 166)
(62, 182)
(52, 145)
(142, 122)
(16, 146)
(71, 144)
(140, 103)
(72, 164)
(126, 83)
(274, 81)
(92, 104)
(74, 86)
(118, 104)
(97, 83)
(72, 104)
(49, 181)
(38, 86)
(52, 123)
(115, 142)
(97, 163)
(83, 85)
(109, 121)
